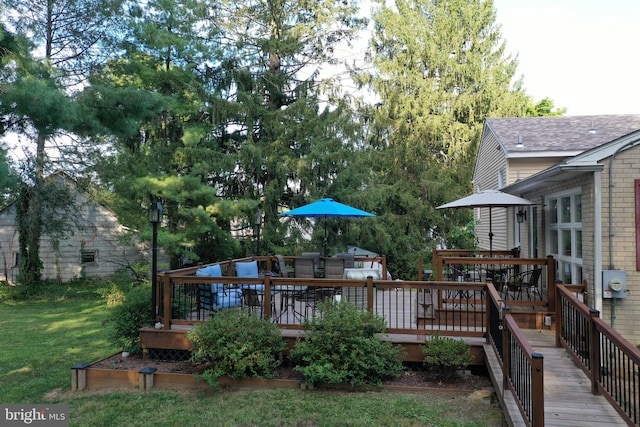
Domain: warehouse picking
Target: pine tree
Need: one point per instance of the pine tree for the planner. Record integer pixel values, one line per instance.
(439, 70)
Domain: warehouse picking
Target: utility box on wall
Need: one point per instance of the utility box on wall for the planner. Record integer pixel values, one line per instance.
(614, 284)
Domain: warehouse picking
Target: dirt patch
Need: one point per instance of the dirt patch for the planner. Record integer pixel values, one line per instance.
(413, 376)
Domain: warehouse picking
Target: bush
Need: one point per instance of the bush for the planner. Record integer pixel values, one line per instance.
(238, 344)
(127, 317)
(341, 346)
(444, 356)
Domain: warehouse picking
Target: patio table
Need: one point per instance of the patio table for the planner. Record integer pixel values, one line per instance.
(288, 294)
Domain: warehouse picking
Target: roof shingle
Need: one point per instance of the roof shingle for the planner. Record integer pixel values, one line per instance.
(561, 133)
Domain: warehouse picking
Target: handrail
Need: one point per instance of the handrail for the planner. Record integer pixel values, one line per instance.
(610, 361)
(523, 371)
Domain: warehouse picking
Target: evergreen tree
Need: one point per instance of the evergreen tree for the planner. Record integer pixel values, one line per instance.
(290, 139)
(244, 127)
(171, 155)
(37, 101)
(439, 71)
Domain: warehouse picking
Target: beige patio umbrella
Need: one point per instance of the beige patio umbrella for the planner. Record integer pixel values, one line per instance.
(487, 199)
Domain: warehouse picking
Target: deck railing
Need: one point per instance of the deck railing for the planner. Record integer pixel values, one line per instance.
(450, 308)
(523, 373)
(501, 269)
(609, 360)
(522, 367)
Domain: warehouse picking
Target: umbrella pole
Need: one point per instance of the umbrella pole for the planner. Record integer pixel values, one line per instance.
(490, 235)
(324, 241)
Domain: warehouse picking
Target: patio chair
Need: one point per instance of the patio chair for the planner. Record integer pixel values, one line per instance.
(254, 301)
(304, 268)
(282, 267)
(312, 296)
(456, 273)
(252, 294)
(216, 296)
(349, 259)
(315, 256)
(526, 281)
(333, 268)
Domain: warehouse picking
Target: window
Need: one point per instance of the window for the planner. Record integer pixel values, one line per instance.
(16, 259)
(564, 234)
(88, 256)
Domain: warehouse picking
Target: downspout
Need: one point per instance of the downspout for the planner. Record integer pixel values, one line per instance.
(597, 232)
(611, 233)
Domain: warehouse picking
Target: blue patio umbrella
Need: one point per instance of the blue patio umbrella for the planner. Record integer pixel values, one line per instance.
(324, 208)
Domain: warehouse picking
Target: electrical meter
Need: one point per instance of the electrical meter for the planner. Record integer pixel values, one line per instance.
(614, 284)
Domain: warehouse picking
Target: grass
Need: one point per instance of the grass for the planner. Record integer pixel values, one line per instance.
(44, 336)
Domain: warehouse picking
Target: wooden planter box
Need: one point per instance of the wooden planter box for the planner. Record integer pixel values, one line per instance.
(84, 376)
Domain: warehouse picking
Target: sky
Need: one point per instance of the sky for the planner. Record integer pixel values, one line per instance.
(582, 54)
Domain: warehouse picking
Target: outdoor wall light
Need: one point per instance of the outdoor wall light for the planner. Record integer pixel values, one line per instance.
(521, 216)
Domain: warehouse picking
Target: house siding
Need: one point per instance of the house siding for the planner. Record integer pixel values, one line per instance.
(492, 158)
(549, 141)
(625, 170)
(99, 231)
(522, 168)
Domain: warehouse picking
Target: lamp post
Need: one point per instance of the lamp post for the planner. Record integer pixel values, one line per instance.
(155, 216)
(258, 223)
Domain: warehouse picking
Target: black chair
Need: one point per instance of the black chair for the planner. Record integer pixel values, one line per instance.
(456, 273)
(527, 281)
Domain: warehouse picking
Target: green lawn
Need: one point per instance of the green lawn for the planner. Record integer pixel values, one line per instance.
(43, 338)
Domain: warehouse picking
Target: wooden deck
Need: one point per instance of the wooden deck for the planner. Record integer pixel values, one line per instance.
(567, 390)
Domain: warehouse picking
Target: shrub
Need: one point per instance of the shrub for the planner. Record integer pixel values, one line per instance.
(444, 356)
(127, 317)
(341, 346)
(238, 344)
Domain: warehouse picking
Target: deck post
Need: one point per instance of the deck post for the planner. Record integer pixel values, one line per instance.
(537, 389)
(167, 284)
(370, 293)
(559, 317)
(594, 351)
(267, 296)
(551, 284)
